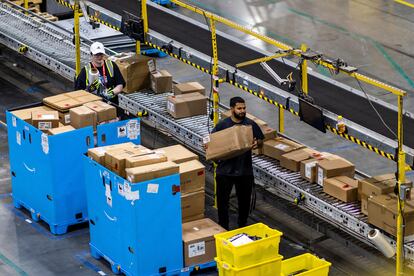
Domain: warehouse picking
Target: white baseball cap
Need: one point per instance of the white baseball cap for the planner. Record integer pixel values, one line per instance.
(97, 48)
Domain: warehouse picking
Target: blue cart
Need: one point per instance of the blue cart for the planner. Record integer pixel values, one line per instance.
(47, 171)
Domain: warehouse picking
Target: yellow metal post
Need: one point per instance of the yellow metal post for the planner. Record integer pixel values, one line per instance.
(26, 4)
(401, 203)
(281, 119)
(144, 15)
(77, 37)
(304, 71)
(138, 47)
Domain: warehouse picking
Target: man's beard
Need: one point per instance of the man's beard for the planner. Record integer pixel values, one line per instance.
(240, 116)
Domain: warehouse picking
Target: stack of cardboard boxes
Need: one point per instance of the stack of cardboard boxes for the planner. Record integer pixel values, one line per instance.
(188, 100)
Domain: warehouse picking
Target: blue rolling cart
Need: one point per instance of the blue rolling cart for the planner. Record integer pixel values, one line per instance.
(47, 171)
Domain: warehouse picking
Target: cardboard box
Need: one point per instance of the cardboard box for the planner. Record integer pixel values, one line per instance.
(308, 169)
(187, 105)
(192, 176)
(198, 241)
(66, 101)
(98, 154)
(192, 205)
(64, 118)
(134, 69)
(229, 142)
(115, 159)
(364, 204)
(59, 130)
(152, 171)
(189, 87)
(275, 148)
(342, 187)
(377, 185)
(329, 168)
(291, 160)
(269, 133)
(45, 120)
(104, 112)
(146, 159)
(177, 154)
(26, 114)
(161, 81)
(383, 212)
(82, 116)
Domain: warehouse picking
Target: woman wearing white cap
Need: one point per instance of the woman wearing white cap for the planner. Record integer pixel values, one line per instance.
(100, 76)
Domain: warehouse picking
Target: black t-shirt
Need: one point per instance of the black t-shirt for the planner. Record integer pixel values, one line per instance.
(242, 164)
(113, 81)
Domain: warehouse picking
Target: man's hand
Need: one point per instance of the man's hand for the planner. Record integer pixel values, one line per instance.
(255, 144)
(93, 86)
(109, 93)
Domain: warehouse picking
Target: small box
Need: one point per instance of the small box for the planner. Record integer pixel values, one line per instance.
(146, 159)
(229, 142)
(198, 241)
(161, 81)
(192, 205)
(291, 160)
(383, 212)
(189, 87)
(98, 154)
(330, 168)
(59, 130)
(192, 176)
(275, 148)
(152, 171)
(82, 116)
(26, 114)
(64, 118)
(177, 154)
(45, 120)
(104, 112)
(377, 185)
(115, 159)
(342, 187)
(187, 105)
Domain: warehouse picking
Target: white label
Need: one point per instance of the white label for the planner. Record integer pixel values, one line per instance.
(206, 139)
(171, 107)
(152, 188)
(67, 118)
(122, 131)
(44, 125)
(151, 66)
(132, 195)
(18, 138)
(45, 143)
(133, 129)
(108, 195)
(14, 121)
(308, 169)
(320, 176)
(281, 146)
(196, 249)
(47, 117)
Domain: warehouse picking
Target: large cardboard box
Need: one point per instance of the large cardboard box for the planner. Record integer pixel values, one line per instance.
(342, 187)
(149, 172)
(187, 105)
(59, 130)
(192, 205)
(275, 148)
(45, 120)
(115, 159)
(177, 154)
(189, 87)
(134, 69)
(82, 116)
(66, 101)
(104, 111)
(230, 142)
(26, 114)
(192, 176)
(142, 160)
(377, 185)
(383, 212)
(161, 81)
(98, 154)
(291, 160)
(198, 241)
(329, 168)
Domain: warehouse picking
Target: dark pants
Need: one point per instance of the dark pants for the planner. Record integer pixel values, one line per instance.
(244, 185)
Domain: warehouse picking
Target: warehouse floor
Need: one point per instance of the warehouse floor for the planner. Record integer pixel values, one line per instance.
(356, 34)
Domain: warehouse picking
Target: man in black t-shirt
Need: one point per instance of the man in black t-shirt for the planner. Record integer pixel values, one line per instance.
(108, 83)
(237, 171)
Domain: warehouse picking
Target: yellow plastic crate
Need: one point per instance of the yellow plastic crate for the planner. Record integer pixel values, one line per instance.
(267, 268)
(265, 249)
(305, 265)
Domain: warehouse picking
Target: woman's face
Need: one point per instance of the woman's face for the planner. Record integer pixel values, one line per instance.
(98, 59)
